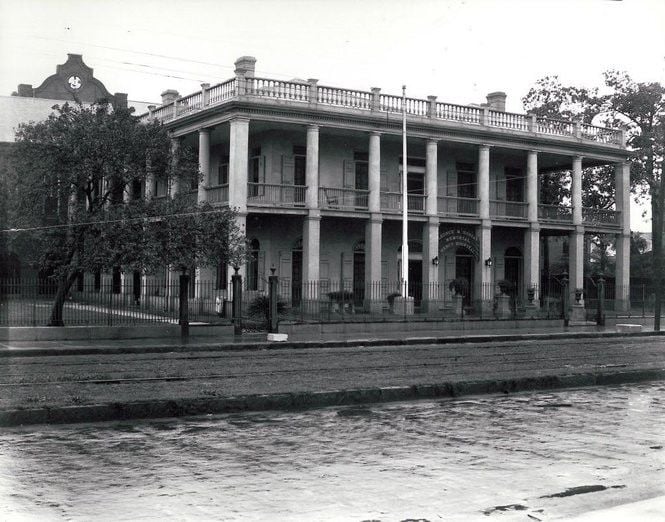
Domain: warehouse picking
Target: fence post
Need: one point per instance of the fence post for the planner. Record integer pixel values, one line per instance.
(183, 302)
(564, 299)
(273, 319)
(600, 310)
(236, 284)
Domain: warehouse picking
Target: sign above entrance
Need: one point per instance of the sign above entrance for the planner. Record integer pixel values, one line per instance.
(459, 238)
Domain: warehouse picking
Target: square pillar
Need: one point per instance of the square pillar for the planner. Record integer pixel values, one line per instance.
(532, 186)
(622, 274)
(374, 172)
(484, 291)
(532, 264)
(238, 163)
(576, 271)
(311, 234)
(312, 167)
(204, 164)
(174, 183)
(432, 294)
(576, 191)
(373, 244)
(484, 181)
(431, 186)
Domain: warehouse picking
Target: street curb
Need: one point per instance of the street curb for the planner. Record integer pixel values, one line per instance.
(307, 400)
(263, 345)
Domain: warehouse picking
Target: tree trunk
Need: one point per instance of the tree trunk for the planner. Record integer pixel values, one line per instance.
(59, 302)
(657, 251)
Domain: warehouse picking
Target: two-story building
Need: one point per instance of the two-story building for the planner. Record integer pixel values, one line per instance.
(315, 174)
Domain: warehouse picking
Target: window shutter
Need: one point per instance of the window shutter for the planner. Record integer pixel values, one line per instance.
(262, 169)
(384, 180)
(262, 270)
(349, 174)
(288, 169)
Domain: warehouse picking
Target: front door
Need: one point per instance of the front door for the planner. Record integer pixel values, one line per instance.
(416, 280)
(296, 277)
(464, 270)
(358, 278)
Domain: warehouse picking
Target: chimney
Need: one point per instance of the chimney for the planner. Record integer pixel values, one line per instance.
(245, 66)
(120, 100)
(496, 101)
(169, 96)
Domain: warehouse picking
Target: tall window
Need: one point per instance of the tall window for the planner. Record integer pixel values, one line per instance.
(223, 171)
(253, 265)
(361, 160)
(514, 184)
(299, 165)
(254, 171)
(466, 180)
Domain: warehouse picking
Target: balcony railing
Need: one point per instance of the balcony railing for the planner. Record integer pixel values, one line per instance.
(219, 194)
(343, 199)
(555, 214)
(392, 202)
(274, 195)
(312, 93)
(453, 206)
(600, 216)
(508, 209)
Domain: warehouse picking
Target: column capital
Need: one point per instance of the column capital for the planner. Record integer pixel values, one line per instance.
(578, 157)
(484, 146)
(314, 214)
(205, 130)
(533, 151)
(375, 133)
(313, 127)
(239, 119)
(376, 218)
(433, 141)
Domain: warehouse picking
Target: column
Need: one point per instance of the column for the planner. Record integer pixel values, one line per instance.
(310, 248)
(431, 293)
(204, 274)
(373, 245)
(622, 274)
(174, 181)
(204, 164)
(484, 181)
(532, 235)
(238, 163)
(431, 186)
(576, 243)
(312, 168)
(484, 290)
(374, 172)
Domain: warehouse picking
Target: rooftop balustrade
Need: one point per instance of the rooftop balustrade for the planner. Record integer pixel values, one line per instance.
(313, 94)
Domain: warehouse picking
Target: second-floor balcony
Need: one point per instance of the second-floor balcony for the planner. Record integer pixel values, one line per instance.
(275, 195)
(555, 214)
(501, 209)
(218, 194)
(391, 202)
(600, 216)
(343, 199)
(454, 206)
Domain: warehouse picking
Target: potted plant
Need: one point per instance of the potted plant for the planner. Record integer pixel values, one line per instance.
(458, 286)
(531, 293)
(505, 286)
(578, 294)
(391, 300)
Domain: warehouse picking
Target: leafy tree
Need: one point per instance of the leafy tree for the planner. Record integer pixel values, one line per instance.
(640, 109)
(76, 196)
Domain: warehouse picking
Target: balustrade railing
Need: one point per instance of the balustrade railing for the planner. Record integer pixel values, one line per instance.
(343, 199)
(310, 93)
(392, 202)
(508, 120)
(219, 194)
(270, 194)
(267, 88)
(508, 209)
(600, 216)
(344, 97)
(454, 206)
(555, 213)
(450, 111)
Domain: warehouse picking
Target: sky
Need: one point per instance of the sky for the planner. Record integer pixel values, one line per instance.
(457, 50)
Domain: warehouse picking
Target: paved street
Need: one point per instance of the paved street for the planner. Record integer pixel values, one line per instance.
(536, 456)
(29, 382)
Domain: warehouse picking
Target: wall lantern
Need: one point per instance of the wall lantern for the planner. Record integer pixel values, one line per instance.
(435, 261)
(488, 261)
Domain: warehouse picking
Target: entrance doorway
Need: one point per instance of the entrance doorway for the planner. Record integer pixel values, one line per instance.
(464, 267)
(359, 274)
(416, 280)
(296, 273)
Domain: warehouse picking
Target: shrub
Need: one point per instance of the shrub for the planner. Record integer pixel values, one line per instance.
(340, 296)
(459, 286)
(260, 307)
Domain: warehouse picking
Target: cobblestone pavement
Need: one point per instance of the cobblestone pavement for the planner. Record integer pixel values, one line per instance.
(29, 382)
(523, 457)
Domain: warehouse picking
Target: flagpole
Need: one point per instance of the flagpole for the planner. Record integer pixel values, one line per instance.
(405, 202)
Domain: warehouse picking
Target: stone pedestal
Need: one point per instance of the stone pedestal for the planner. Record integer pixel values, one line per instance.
(403, 306)
(502, 307)
(578, 313)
